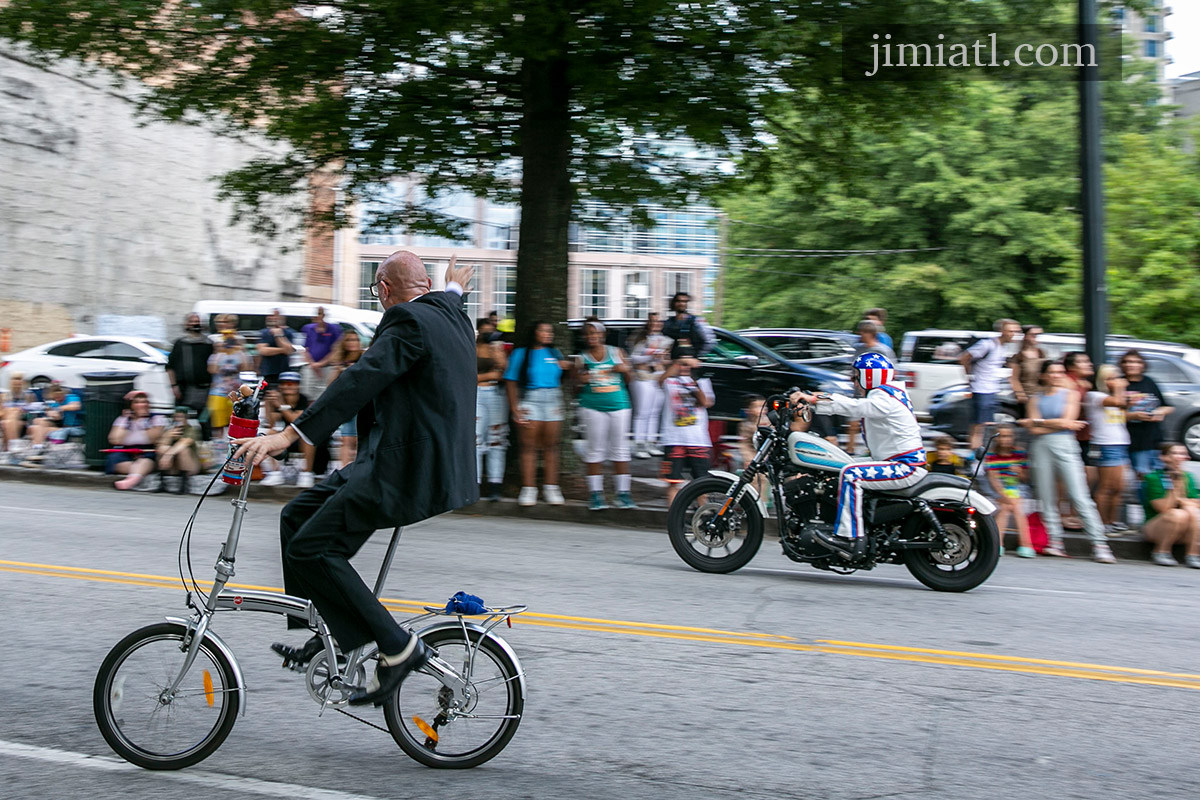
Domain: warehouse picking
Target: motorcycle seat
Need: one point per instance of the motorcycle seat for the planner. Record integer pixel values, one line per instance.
(930, 481)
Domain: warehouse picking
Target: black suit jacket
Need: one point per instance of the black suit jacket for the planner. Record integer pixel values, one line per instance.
(418, 379)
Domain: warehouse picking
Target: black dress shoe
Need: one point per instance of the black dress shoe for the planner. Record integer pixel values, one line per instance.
(387, 679)
(299, 655)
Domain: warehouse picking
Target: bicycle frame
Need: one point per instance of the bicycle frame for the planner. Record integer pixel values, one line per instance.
(221, 598)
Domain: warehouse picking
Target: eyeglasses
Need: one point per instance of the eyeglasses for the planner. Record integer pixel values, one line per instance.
(373, 290)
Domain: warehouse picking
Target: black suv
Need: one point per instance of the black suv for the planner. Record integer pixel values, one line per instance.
(737, 367)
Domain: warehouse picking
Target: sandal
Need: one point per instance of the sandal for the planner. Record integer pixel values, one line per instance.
(1054, 552)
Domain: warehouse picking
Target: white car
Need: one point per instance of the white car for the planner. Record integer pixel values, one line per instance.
(67, 360)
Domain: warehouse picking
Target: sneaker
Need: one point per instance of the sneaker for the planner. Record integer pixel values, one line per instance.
(655, 452)
(493, 494)
(552, 495)
(1111, 531)
(625, 500)
(1055, 551)
(1026, 552)
(641, 453)
(597, 503)
(1192, 561)
(1165, 559)
(272, 479)
(305, 480)
(1002, 551)
(1102, 555)
(1119, 527)
(528, 496)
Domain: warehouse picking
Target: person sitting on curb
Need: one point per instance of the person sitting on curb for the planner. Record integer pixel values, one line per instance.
(133, 437)
(1172, 505)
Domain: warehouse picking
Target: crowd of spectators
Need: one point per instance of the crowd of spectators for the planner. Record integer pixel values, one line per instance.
(1087, 453)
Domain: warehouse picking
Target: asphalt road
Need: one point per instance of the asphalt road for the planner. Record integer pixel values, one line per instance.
(776, 681)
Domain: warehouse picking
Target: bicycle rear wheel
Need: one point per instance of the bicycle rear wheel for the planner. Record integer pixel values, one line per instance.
(437, 730)
(143, 726)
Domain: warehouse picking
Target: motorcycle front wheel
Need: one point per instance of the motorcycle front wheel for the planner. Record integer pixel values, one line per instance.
(726, 547)
(969, 560)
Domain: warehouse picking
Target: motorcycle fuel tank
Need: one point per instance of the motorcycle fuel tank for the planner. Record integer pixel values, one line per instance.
(809, 450)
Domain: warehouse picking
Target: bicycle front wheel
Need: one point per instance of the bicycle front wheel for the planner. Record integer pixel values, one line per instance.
(439, 730)
(140, 722)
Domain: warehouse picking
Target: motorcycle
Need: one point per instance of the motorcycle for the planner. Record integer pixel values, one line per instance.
(940, 528)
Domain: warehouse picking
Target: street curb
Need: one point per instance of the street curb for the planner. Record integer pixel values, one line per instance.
(1130, 548)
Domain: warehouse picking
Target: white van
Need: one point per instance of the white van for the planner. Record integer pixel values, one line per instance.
(252, 316)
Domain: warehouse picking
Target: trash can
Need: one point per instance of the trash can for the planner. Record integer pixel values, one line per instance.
(104, 398)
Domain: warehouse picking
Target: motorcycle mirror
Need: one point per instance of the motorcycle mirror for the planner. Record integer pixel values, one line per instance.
(773, 416)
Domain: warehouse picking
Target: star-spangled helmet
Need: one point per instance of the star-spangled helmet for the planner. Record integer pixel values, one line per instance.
(874, 369)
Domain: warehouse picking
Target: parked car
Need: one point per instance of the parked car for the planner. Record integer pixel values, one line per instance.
(67, 360)
(929, 358)
(737, 367)
(1177, 377)
(826, 348)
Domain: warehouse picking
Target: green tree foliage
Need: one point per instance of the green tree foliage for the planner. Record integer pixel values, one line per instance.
(1153, 240)
(540, 102)
(984, 195)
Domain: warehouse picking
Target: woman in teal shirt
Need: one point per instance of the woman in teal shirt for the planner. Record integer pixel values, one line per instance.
(606, 412)
(533, 380)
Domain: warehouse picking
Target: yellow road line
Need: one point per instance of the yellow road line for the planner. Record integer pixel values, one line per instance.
(955, 658)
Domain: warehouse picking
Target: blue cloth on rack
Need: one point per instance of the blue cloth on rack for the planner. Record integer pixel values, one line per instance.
(463, 603)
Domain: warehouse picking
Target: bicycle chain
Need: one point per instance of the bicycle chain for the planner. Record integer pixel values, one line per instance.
(363, 721)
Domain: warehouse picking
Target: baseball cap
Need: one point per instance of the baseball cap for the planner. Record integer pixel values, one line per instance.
(289, 376)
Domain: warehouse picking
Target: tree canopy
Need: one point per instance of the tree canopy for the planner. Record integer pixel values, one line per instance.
(543, 103)
(968, 216)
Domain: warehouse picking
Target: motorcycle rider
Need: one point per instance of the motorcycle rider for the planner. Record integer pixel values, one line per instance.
(892, 435)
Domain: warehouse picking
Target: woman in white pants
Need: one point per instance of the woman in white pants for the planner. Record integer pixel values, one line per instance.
(491, 410)
(1053, 420)
(649, 357)
(606, 412)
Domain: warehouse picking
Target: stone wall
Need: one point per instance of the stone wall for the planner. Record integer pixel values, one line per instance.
(103, 214)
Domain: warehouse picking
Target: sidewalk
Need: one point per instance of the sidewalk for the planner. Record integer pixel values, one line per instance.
(651, 516)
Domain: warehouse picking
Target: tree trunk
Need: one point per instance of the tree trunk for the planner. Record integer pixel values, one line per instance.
(546, 197)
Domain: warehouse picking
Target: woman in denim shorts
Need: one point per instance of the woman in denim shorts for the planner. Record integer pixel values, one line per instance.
(533, 380)
(1110, 443)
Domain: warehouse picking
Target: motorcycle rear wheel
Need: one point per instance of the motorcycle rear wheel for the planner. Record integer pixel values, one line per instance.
(731, 548)
(965, 566)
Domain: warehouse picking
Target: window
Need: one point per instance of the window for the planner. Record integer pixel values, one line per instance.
(77, 350)
(1152, 49)
(941, 349)
(725, 351)
(1163, 371)
(678, 282)
(119, 351)
(593, 292)
(1152, 24)
(366, 276)
(504, 299)
(637, 295)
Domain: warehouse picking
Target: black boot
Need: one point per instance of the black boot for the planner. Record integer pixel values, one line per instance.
(493, 494)
(849, 549)
(299, 655)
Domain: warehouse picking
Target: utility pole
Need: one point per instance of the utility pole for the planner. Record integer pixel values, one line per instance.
(1095, 284)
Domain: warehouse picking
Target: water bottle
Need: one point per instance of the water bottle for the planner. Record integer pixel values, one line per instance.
(242, 425)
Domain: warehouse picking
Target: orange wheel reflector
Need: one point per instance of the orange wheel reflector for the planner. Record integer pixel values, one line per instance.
(208, 687)
(426, 728)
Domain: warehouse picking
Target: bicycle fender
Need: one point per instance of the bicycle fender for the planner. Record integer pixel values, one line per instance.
(750, 490)
(455, 624)
(947, 494)
(219, 643)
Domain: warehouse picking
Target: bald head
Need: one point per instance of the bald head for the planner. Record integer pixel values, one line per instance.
(404, 277)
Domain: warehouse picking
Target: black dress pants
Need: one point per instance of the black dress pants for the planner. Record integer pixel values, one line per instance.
(316, 551)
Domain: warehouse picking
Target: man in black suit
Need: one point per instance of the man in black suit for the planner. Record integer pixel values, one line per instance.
(418, 377)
